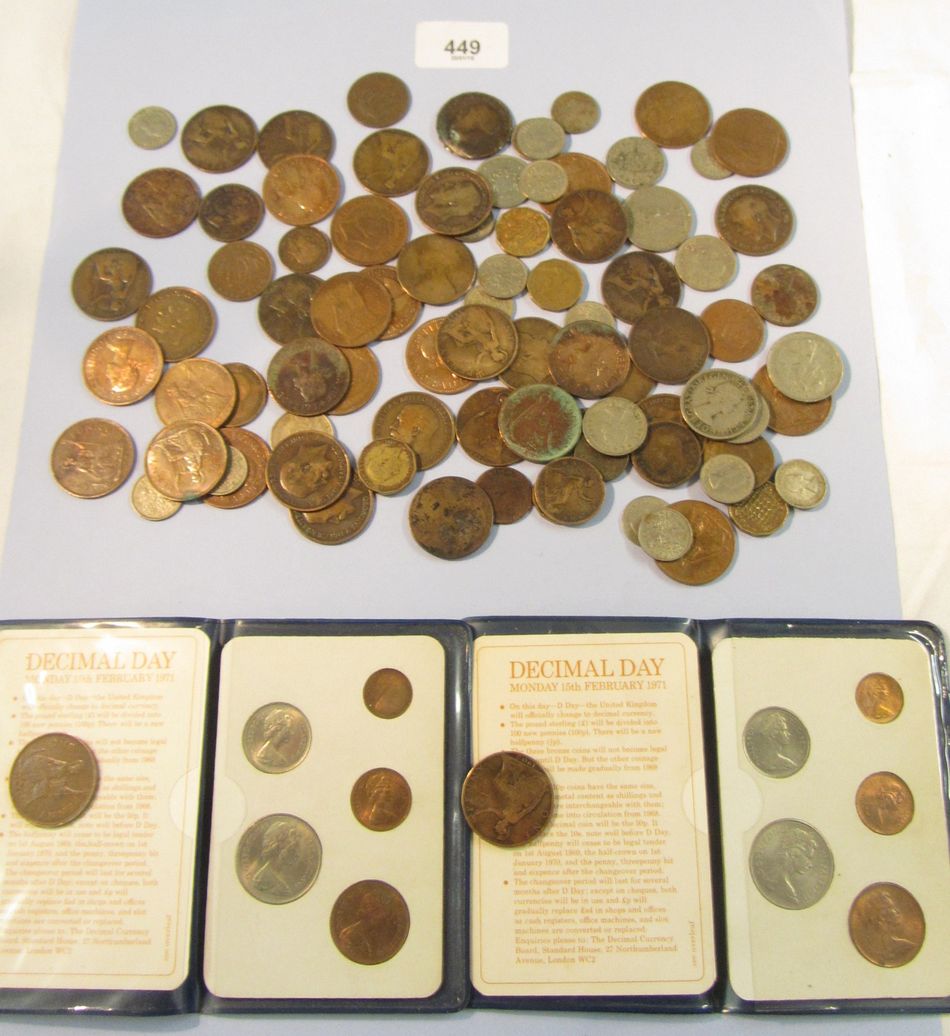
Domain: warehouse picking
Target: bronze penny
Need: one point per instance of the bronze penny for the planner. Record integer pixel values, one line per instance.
(240, 271)
(295, 133)
(256, 452)
(714, 544)
(308, 471)
(672, 114)
(283, 310)
(879, 697)
(426, 365)
(350, 309)
(186, 460)
(736, 331)
(369, 922)
(53, 780)
(378, 99)
(287, 424)
(477, 428)
(122, 365)
(436, 269)
(181, 320)
(663, 406)
(420, 421)
(301, 189)
(304, 249)
(477, 342)
(610, 468)
(784, 295)
(364, 380)
(308, 377)
(111, 284)
(278, 858)
(341, 521)
(754, 220)
(636, 386)
(406, 309)
(161, 202)
(196, 390)
(589, 226)
(508, 799)
(569, 491)
(761, 514)
(92, 458)
(788, 416)
(637, 281)
(219, 139)
(540, 422)
(670, 456)
(669, 344)
(387, 466)
(886, 925)
(387, 693)
(453, 201)
(589, 359)
(369, 230)
(276, 737)
(748, 142)
(231, 212)
(583, 173)
(530, 365)
(381, 799)
(510, 493)
(758, 454)
(884, 803)
(474, 125)
(450, 517)
(391, 162)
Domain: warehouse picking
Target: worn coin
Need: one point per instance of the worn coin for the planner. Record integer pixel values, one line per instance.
(235, 474)
(181, 320)
(784, 295)
(450, 517)
(420, 421)
(386, 466)
(256, 453)
(610, 468)
(637, 281)
(576, 111)
(665, 534)
(509, 491)
(150, 504)
(762, 513)
(92, 458)
(231, 212)
(538, 138)
(477, 428)
(196, 390)
(304, 249)
(308, 377)
(288, 424)
(748, 141)
(391, 162)
(758, 454)
(791, 864)
(879, 697)
(583, 173)
(884, 803)
(387, 693)
(670, 455)
(727, 479)
(186, 460)
(474, 125)
(634, 513)
(436, 269)
(669, 344)
(540, 422)
(590, 310)
(295, 133)
(219, 139)
(800, 484)
(788, 416)
(736, 331)
(240, 271)
(589, 226)
(555, 284)
(659, 219)
(759, 423)
(365, 374)
(543, 181)
(453, 200)
(569, 491)
(278, 858)
(615, 426)
(369, 230)
(714, 545)
(477, 296)
(161, 202)
(886, 925)
(308, 471)
(530, 365)
(283, 309)
(122, 365)
(378, 99)
(502, 276)
(339, 522)
(754, 220)
(301, 189)
(672, 114)
(406, 309)
(369, 922)
(508, 799)
(350, 309)
(719, 403)
(635, 162)
(111, 284)
(705, 263)
(663, 406)
(53, 780)
(152, 127)
(381, 799)
(523, 232)
(705, 163)
(477, 342)
(426, 365)
(776, 741)
(805, 366)
(502, 173)
(589, 359)
(276, 737)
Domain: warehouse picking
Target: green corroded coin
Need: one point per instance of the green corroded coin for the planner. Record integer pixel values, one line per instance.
(540, 422)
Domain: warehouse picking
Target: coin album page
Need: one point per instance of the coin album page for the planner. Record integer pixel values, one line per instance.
(103, 741)
(794, 747)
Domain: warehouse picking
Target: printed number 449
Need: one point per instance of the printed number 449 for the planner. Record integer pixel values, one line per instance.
(462, 48)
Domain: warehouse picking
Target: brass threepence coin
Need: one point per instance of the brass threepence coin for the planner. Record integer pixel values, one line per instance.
(369, 230)
(658, 219)
(92, 458)
(791, 864)
(341, 521)
(886, 925)
(111, 284)
(670, 455)
(784, 295)
(669, 344)
(589, 226)
(387, 466)
(387, 693)
(256, 453)
(301, 189)
(381, 799)
(614, 426)
(530, 365)
(776, 742)
(240, 271)
(295, 133)
(635, 162)
(758, 454)
(196, 390)
(231, 212)
(754, 220)
(435, 269)
(308, 471)
(884, 803)
(251, 393)
(150, 504)
(522, 232)
(477, 428)
(665, 534)
(726, 478)
(350, 309)
(283, 309)
(426, 365)
(152, 127)
(508, 799)
(805, 366)
(637, 281)
(364, 380)
(510, 493)
(122, 365)
(762, 513)
(569, 491)
(474, 125)
(540, 422)
(53, 780)
(635, 512)
(705, 263)
(714, 544)
(304, 249)
(369, 922)
(278, 858)
(477, 342)
(788, 416)
(219, 139)
(181, 320)
(161, 202)
(450, 517)
(736, 331)
(276, 737)
(391, 162)
(748, 141)
(420, 421)
(589, 359)
(453, 201)
(186, 460)
(308, 376)
(879, 697)
(576, 111)
(719, 404)
(378, 99)
(800, 484)
(555, 284)
(673, 114)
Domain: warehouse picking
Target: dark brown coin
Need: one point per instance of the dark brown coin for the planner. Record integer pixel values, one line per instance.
(477, 342)
(181, 320)
(308, 377)
(276, 737)
(670, 456)
(240, 270)
(122, 365)
(278, 858)
(387, 693)
(788, 416)
(663, 406)
(436, 269)
(784, 295)
(378, 99)
(350, 309)
(425, 364)
(509, 491)
(748, 142)
(369, 230)
(219, 139)
(295, 133)
(284, 307)
(610, 468)
(588, 225)
(339, 522)
(406, 309)
(758, 454)
(736, 331)
(186, 460)
(53, 780)
(308, 471)
(879, 697)
(508, 799)
(381, 799)
(477, 428)
(530, 365)
(714, 544)
(754, 220)
(569, 491)
(111, 284)
(761, 514)
(886, 925)
(450, 517)
(161, 202)
(304, 249)
(589, 359)
(474, 125)
(669, 344)
(540, 422)
(637, 281)
(636, 387)
(364, 380)
(92, 458)
(231, 212)
(420, 421)
(453, 201)
(257, 453)
(391, 162)
(369, 922)
(301, 189)
(884, 803)
(672, 114)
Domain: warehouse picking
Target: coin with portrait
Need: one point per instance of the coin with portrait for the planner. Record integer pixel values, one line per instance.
(278, 858)
(53, 780)
(369, 922)
(381, 799)
(776, 741)
(276, 737)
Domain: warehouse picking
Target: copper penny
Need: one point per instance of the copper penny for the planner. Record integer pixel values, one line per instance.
(339, 522)
(736, 331)
(92, 458)
(219, 139)
(671, 454)
(406, 309)
(589, 359)
(426, 365)
(477, 342)
(181, 320)
(308, 471)
(391, 162)
(161, 202)
(474, 125)
(276, 737)
(886, 925)
(387, 466)
(669, 344)
(378, 99)
(301, 189)
(508, 799)
(637, 281)
(754, 220)
(884, 803)
(540, 422)
(879, 697)
(304, 249)
(364, 380)
(788, 416)
(350, 309)
(196, 390)
(381, 799)
(762, 514)
(295, 133)
(231, 212)
(240, 271)
(748, 142)
(387, 693)
(589, 226)
(186, 460)
(278, 858)
(53, 780)
(111, 284)
(450, 517)
(714, 544)
(256, 452)
(569, 491)
(368, 230)
(308, 377)
(583, 173)
(420, 421)
(436, 269)
(672, 114)
(453, 201)
(636, 386)
(283, 309)
(510, 493)
(758, 454)
(122, 365)
(663, 406)
(369, 922)
(610, 468)
(530, 365)
(784, 295)
(477, 428)
(288, 424)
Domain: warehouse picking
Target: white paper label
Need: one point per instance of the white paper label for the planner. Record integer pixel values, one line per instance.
(461, 45)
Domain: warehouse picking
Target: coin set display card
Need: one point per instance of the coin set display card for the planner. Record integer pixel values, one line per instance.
(104, 732)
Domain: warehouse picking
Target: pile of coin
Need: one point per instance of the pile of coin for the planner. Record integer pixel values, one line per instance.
(575, 399)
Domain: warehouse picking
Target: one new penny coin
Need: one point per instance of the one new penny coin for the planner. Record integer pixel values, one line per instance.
(381, 799)
(884, 803)
(879, 697)
(886, 925)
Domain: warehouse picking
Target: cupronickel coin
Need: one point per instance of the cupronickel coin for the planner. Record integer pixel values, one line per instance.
(776, 741)
(879, 697)
(726, 478)
(800, 484)
(53, 780)
(886, 925)
(276, 737)
(884, 803)
(150, 504)
(381, 799)
(369, 922)
(92, 458)
(508, 799)
(791, 864)
(278, 858)
(387, 693)
(665, 534)
(805, 366)
(152, 127)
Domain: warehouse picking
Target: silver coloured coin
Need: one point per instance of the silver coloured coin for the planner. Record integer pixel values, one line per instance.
(150, 504)
(503, 173)
(276, 737)
(615, 426)
(152, 127)
(791, 864)
(705, 164)
(635, 512)
(800, 484)
(635, 162)
(658, 219)
(278, 858)
(805, 366)
(776, 742)
(665, 534)
(539, 138)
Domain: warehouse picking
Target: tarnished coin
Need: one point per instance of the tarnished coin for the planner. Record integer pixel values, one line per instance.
(663, 406)
(92, 458)
(304, 249)
(748, 141)
(784, 295)
(762, 513)
(589, 359)
(234, 476)
(503, 176)
(435, 269)
(530, 365)
(381, 799)
(283, 309)
(705, 163)
(538, 138)
(569, 491)
(240, 271)
(788, 416)
(502, 276)
(759, 423)
(523, 232)
(658, 219)
(308, 471)
(339, 522)
(219, 139)
(256, 453)
(122, 365)
(589, 226)
(406, 309)
(426, 365)
(800, 484)
(540, 422)
(420, 421)
(378, 99)
(670, 455)
(450, 517)
(583, 173)
(308, 377)
(350, 309)
(637, 281)
(672, 114)
(181, 320)
(251, 393)
(186, 460)
(295, 133)
(453, 200)
(610, 468)
(555, 284)
(509, 491)
(884, 803)
(588, 309)
(387, 693)
(727, 479)
(150, 504)
(886, 925)
(111, 284)
(758, 454)
(477, 428)
(736, 331)
(665, 534)
(152, 127)
(477, 342)
(705, 263)
(776, 741)
(669, 344)
(369, 922)
(364, 380)
(391, 162)
(196, 390)
(474, 125)
(288, 424)
(543, 181)
(369, 230)
(301, 189)
(161, 202)
(791, 864)
(714, 544)
(879, 697)
(278, 858)
(635, 162)
(508, 799)
(231, 212)
(719, 404)
(805, 366)
(53, 780)
(276, 737)
(386, 466)
(576, 111)
(635, 512)
(615, 426)
(754, 220)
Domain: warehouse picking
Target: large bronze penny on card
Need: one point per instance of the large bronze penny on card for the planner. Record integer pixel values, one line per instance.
(278, 858)
(92, 458)
(308, 471)
(450, 517)
(387, 693)
(276, 737)
(886, 925)
(369, 922)
(381, 799)
(884, 803)
(53, 780)
(791, 864)
(879, 697)
(508, 799)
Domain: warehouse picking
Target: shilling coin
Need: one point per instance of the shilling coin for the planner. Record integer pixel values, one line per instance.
(196, 390)
(538, 138)
(295, 133)
(420, 421)
(53, 780)
(665, 534)
(150, 504)
(502, 276)
(503, 175)
(543, 181)
(386, 466)
(161, 202)
(754, 220)
(719, 404)
(727, 479)
(111, 284)
(308, 376)
(240, 270)
(673, 114)
(762, 513)
(884, 803)
(800, 484)
(152, 127)
(231, 212)
(308, 471)
(450, 517)
(391, 162)
(784, 295)
(378, 99)
(886, 925)
(278, 858)
(339, 522)
(576, 111)
(387, 693)
(92, 458)
(791, 864)
(508, 799)
(181, 320)
(805, 366)
(509, 491)
(714, 545)
(369, 922)
(122, 365)
(186, 460)
(776, 741)
(381, 799)
(879, 697)
(474, 125)
(219, 139)
(276, 737)
(748, 141)
(569, 491)
(540, 422)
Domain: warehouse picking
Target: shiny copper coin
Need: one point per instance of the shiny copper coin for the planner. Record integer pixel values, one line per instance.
(754, 220)
(788, 416)
(240, 271)
(540, 422)
(670, 456)
(161, 202)
(364, 380)
(304, 249)
(276, 737)
(387, 466)
(350, 309)
(378, 99)
(295, 133)
(736, 331)
(508, 799)
(510, 493)
(283, 309)
(436, 269)
(477, 342)
(589, 359)
(92, 458)
(589, 226)
(884, 803)
(784, 295)
(387, 693)
(231, 212)
(748, 142)
(122, 365)
(339, 522)
(886, 925)
(669, 344)
(879, 697)
(426, 365)
(369, 230)
(391, 162)
(406, 309)
(381, 799)
(637, 281)
(477, 428)
(257, 453)
(181, 320)
(761, 514)
(714, 544)
(301, 189)
(196, 390)
(420, 421)
(530, 365)
(450, 517)
(369, 922)
(308, 471)
(186, 460)
(672, 114)
(53, 780)
(278, 858)
(474, 125)
(308, 377)
(569, 491)
(219, 139)
(453, 201)
(758, 454)
(111, 284)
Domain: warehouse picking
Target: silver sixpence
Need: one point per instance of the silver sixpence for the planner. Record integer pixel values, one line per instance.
(276, 737)
(776, 741)
(727, 478)
(658, 218)
(800, 484)
(635, 162)
(539, 138)
(615, 426)
(665, 534)
(805, 367)
(705, 164)
(791, 864)
(503, 173)
(635, 512)
(278, 858)
(152, 127)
